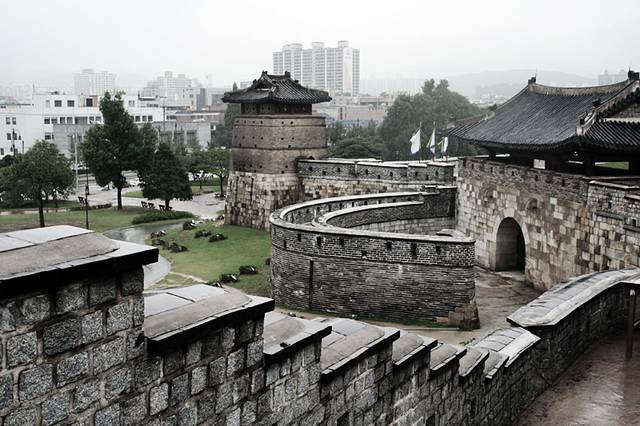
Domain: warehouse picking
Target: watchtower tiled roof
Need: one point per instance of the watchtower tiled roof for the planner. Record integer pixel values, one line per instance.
(280, 89)
(553, 119)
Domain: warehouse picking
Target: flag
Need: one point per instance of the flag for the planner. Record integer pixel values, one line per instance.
(432, 142)
(415, 142)
(445, 144)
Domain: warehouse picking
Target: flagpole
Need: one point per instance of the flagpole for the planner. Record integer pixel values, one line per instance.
(419, 129)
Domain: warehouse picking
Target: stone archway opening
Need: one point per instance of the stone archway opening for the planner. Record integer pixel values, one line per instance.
(510, 247)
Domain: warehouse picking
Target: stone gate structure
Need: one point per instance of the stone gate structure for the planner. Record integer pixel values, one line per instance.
(82, 345)
(540, 202)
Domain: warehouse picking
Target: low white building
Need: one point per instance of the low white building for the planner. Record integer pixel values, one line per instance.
(22, 125)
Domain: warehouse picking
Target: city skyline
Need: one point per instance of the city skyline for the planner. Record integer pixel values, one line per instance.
(416, 41)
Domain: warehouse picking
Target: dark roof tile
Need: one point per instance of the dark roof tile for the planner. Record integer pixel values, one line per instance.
(276, 89)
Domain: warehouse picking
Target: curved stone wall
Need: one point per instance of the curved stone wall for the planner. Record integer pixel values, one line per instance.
(320, 260)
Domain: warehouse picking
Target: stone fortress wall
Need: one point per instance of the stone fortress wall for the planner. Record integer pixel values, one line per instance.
(571, 224)
(263, 175)
(82, 345)
(321, 261)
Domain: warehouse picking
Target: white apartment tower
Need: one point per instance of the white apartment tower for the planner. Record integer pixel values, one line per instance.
(335, 69)
(176, 91)
(91, 83)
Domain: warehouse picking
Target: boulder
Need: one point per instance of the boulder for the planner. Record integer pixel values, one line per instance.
(176, 248)
(228, 278)
(189, 225)
(200, 233)
(217, 237)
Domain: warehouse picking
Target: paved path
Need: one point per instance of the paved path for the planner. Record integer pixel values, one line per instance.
(206, 206)
(601, 388)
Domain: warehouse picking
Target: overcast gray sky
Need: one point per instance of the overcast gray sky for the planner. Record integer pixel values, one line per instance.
(233, 40)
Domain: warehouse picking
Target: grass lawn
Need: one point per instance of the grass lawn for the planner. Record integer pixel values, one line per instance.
(62, 204)
(205, 260)
(99, 220)
(622, 165)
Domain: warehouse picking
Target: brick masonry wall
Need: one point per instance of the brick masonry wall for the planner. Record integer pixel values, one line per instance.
(364, 273)
(70, 354)
(75, 353)
(251, 197)
(570, 226)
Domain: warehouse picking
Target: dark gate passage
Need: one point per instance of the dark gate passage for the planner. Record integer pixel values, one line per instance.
(510, 249)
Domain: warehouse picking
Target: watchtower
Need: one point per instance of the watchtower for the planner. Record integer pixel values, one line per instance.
(276, 128)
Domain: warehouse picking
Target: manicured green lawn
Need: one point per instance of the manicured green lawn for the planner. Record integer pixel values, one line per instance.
(62, 204)
(99, 220)
(244, 246)
(622, 165)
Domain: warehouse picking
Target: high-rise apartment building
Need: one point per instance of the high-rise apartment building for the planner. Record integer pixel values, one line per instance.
(176, 91)
(91, 83)
(335, 69)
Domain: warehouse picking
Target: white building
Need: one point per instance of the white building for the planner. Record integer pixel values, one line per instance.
(89, 82)
(175, 91)
(22, 125)
(335, 69)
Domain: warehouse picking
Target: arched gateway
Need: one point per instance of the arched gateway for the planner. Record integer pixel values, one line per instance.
(510, 247)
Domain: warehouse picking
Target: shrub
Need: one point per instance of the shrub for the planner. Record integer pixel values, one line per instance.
(154, 216)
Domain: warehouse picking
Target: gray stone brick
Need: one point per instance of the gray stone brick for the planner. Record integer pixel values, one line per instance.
(56, 408)
(173, 361)
(35, 382)
(257, 381)
(228, 338)
(118, 318)
(217, 371)
(135, 344)
(22, 349)
(249, 409)
(21, 417)
(7, 317)
(198, 380)
(179, 389)
(273, 374)
(71, 297)
(6, 390)
(134, 410)
(108, 355)
(92, 327)
(146, 371)
(240, 388)
(35, 309)
(187, 416)
(235, 362)
(254, 353)
(132, 282)
(207, 406)
(102, 291)
(225, 397)
(194, 352)
(170, 421)
(158, 399)
(72, 368)
(85, 395)
(117, 383)
(233, 418)
(138, 311)
(61, 336)
(108, 416)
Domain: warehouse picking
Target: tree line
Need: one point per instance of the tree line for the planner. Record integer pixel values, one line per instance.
(435, 105)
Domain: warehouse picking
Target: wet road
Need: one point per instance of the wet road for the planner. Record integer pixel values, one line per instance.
(153, 272)
(601, 388)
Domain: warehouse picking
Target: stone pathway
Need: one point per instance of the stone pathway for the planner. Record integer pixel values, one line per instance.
(601, 388)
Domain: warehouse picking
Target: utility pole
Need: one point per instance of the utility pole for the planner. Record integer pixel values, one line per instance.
(86, 200)
(630, 323)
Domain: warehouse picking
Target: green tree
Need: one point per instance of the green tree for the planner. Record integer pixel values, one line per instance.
(166, 177)
(117, 145)
(356, 147)
(218, 159)
(42, 170)
(224, 133)
(435, 104)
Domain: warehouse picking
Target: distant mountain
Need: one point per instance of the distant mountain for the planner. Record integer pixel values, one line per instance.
(508, 83)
